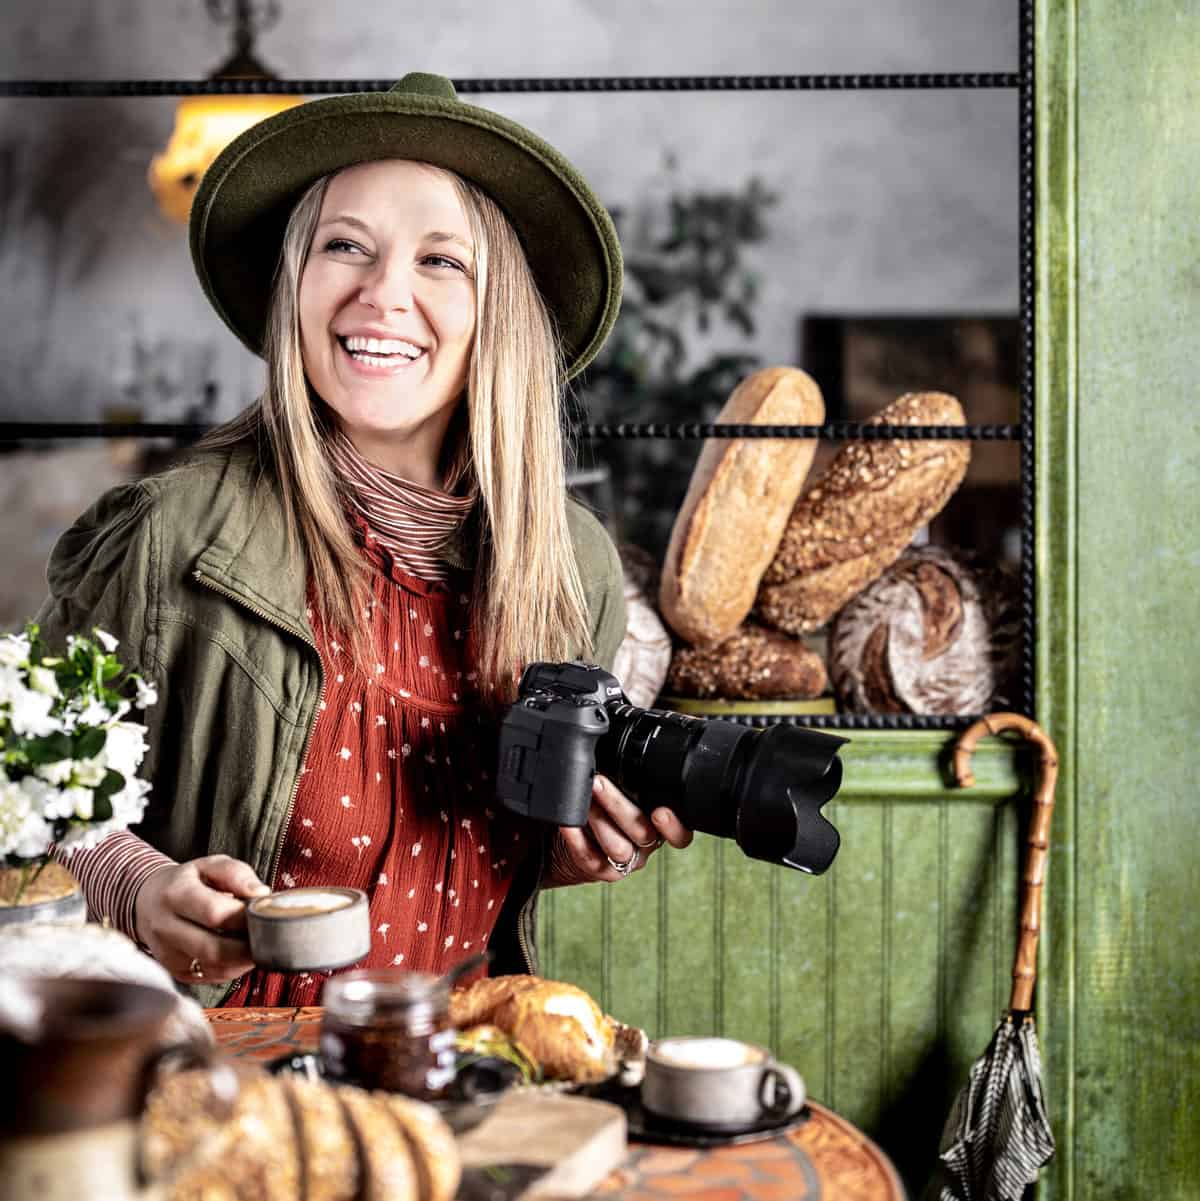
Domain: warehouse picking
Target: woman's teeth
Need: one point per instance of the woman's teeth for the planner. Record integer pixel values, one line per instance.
(380, 352)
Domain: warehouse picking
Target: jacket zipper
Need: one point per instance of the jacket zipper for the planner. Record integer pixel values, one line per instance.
(523, 941)
(213, 586)
(522, 937)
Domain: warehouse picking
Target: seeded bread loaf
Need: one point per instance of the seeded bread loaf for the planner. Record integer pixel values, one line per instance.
(755, 664)
(856, 520)
(738, 501)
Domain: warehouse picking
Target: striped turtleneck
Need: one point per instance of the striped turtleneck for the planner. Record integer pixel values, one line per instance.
(411, 522)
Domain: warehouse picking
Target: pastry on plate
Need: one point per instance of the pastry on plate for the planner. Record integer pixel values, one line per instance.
(558, 1025)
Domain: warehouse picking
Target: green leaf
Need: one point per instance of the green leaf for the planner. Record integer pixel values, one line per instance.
(49, 749)
(89, 742)
(102, 809)
(113, 782)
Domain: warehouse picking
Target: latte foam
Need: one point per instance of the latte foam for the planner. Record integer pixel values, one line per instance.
(302, 903)
(706, 1053)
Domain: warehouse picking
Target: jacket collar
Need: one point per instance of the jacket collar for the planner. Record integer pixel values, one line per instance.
(249, 556)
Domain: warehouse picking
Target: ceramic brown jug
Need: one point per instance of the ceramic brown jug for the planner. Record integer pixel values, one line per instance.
(77, 1060)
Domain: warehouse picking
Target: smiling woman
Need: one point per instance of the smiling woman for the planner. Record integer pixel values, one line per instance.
(387, 308)
(337, 594)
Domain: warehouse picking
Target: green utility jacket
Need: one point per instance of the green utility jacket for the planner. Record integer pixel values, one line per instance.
(190, 569)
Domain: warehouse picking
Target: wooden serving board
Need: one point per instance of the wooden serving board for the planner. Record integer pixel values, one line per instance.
(569, 1143)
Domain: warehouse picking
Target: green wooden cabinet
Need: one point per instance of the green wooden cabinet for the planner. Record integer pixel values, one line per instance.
(884, 979)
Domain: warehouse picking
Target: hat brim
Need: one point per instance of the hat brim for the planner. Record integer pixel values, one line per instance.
(242, 205)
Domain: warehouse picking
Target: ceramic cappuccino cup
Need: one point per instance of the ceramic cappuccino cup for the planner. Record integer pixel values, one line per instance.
(718, 1083)
(309, 929)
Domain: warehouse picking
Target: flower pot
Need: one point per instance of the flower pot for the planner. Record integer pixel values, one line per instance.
(51, 894)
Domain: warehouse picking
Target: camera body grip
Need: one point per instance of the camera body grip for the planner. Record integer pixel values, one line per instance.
(548, 758)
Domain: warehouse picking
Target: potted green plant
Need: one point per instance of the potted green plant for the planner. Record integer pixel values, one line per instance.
(693, 279)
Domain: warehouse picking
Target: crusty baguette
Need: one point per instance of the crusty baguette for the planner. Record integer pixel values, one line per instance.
(754, 664)
(856, 520)
(737, 504)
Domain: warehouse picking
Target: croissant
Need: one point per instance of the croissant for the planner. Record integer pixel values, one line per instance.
(557, 1024)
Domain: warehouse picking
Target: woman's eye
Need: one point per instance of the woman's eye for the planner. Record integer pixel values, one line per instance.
(342, 246)
(442, 260)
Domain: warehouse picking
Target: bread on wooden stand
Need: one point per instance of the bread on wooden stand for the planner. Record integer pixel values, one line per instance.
(737, 504)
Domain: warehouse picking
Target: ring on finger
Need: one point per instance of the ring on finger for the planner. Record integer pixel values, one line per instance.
(652, 845)
(623, 869)
(195, 969)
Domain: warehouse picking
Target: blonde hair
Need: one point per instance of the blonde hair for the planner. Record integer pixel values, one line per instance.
(508, 448)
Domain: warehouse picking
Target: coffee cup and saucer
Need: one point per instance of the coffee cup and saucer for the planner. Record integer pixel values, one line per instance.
(705, 1091)
(309, 929)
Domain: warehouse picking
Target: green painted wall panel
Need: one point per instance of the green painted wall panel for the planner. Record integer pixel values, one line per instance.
(632, 944)
(1137, 1029)
(571, 927)
(749, 923)
(881, 980)
(856, 963)
(804, 981)
(692, 969)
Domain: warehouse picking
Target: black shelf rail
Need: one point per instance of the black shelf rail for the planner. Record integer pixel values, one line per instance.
(840, 431)
(925, 81)
(1022, 81)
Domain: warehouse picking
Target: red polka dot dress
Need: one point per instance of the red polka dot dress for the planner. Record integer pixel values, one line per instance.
(397, 793)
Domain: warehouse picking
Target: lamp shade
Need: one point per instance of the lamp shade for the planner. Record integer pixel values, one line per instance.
(204, 126)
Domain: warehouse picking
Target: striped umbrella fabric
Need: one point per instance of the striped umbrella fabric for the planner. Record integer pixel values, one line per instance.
(998, 1136)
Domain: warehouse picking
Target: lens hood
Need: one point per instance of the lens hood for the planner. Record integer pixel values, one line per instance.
(790, 773)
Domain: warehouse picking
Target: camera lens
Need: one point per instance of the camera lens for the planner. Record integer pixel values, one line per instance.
(764, 788)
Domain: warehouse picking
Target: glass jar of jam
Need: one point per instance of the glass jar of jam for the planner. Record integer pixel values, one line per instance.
(389, 1029)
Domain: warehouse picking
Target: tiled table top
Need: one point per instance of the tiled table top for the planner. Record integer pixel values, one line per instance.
(825, 1159)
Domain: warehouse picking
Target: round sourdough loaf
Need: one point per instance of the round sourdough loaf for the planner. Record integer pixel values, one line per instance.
(857, 518)
(935, 634)
(737, 504)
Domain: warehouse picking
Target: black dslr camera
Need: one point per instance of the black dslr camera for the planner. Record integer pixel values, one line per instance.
(765, 788)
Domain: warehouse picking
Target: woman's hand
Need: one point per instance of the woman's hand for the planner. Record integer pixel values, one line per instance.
(189, 915)
(617, 840)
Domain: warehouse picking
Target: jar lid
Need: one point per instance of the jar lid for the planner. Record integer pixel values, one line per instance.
(380, 994)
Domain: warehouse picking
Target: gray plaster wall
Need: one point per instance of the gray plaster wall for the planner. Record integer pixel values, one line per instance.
(890, 202)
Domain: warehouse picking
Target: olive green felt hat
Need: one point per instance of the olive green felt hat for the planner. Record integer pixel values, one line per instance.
(243, 202)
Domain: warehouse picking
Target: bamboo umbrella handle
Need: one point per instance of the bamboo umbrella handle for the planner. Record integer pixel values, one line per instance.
(1037, 844)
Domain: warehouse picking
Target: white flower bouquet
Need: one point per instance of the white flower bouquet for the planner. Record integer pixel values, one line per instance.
(68, 757)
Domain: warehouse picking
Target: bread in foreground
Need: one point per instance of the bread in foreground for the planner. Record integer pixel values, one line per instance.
(289, 1139)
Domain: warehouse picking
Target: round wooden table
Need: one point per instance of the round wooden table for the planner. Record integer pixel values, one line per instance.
(825, 1159)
